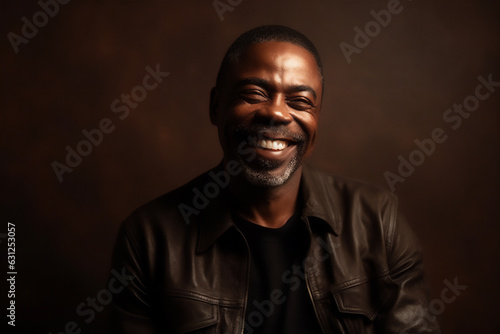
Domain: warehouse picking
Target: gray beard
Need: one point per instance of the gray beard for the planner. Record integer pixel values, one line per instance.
(264, 178)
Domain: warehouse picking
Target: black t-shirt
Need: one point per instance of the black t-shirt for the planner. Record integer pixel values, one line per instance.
(278, 298)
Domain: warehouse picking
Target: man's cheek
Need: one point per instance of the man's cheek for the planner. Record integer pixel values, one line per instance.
(248, 153)
(230, 144)
(309, 151)
(225, 142)
(309, 146)
(312, 140)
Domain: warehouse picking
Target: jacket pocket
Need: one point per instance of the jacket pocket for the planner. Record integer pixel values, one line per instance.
(189, 315)
(358, 305)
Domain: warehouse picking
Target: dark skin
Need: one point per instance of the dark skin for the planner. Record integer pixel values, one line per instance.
(278, 85)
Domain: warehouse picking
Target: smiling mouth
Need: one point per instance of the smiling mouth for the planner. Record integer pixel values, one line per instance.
(270, 144)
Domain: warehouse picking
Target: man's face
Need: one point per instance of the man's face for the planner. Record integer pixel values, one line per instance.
(267, 111)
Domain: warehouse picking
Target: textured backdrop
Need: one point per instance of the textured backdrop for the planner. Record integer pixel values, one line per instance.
(65, 72)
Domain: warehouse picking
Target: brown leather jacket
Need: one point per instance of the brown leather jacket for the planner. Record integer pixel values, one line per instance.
(190, 274)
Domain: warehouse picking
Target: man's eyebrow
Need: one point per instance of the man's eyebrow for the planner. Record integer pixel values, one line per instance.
(255, 81)
(267, 86)
(302, 88)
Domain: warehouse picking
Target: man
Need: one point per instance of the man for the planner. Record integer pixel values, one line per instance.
(263, 243)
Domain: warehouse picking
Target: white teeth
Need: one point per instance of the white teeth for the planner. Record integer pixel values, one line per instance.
(277, 145)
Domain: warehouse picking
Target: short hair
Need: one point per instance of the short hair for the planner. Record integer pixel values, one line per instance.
(266, 33)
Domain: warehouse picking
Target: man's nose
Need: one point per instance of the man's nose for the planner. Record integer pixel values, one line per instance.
(274, 113)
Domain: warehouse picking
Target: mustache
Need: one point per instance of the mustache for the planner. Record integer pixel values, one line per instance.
(252, 132)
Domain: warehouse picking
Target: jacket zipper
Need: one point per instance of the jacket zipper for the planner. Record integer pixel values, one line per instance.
(313, 303)
(246, 293)
(342, 325)
(249, 258)
(308, 284)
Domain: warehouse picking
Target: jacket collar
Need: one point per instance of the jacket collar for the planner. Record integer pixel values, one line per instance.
(318, 198)
(213, 222)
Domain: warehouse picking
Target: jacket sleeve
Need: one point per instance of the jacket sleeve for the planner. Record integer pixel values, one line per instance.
(131, 307)
(407, 309)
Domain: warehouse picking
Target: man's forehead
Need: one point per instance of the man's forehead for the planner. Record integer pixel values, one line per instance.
(274, 49)
(275, 58)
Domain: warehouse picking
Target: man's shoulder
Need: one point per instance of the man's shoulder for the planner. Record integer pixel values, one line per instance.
(169, 206)
(353, 208)
(345, 187)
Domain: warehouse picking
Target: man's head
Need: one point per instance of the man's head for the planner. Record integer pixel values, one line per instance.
(262, 34)
(266, 103)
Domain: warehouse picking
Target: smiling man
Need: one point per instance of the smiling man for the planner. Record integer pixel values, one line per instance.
(263, 243)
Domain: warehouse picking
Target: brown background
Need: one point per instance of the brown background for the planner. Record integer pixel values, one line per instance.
(395, 91)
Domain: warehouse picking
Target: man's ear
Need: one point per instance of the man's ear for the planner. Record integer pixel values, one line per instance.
(213, 106)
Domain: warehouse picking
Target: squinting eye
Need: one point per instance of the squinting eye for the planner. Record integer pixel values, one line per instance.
(299, 104)
(253, 96)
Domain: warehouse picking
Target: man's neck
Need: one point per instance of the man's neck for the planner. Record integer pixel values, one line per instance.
(269, 207)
